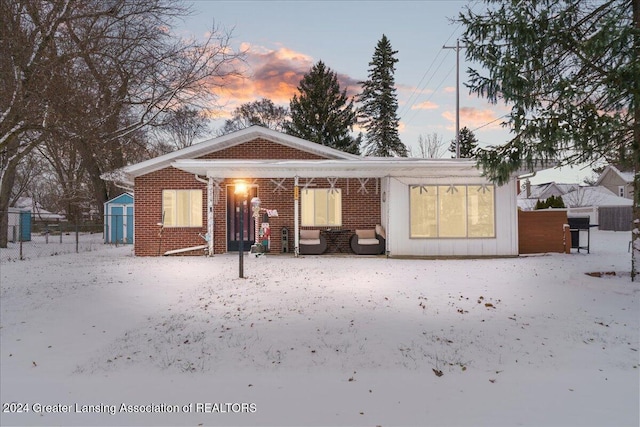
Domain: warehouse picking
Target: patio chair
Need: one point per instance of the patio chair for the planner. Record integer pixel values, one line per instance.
(369, 241)
(312, 242)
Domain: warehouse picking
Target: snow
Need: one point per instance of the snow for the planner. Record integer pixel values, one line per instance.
(321, 340)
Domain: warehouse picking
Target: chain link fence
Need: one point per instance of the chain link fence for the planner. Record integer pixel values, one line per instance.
(29, 238)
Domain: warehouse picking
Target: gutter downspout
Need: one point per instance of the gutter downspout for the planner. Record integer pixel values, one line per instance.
(210, 220)
(296, 220)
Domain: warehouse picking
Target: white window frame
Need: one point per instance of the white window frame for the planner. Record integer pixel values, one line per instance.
(438, 189)
(173, 216)
(308, 201)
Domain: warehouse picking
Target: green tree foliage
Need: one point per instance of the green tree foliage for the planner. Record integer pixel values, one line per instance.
(468, 144)
(550, 202)
(321, 112)
(379, 111)
(262, 113)
(569, 71)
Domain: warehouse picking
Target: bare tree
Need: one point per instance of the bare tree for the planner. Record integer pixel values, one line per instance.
(583, 196)
(95, 73)
(263, 113)
(429, 147)
(180, 128)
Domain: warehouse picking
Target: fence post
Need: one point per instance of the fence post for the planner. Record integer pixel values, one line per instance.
(76, 236)
(46, 233)
(59, 229)
(20, 234)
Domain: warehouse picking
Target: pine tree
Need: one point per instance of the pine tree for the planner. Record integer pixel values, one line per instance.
(468, 144)
(379, 110)
(569, 71)
(321, 112)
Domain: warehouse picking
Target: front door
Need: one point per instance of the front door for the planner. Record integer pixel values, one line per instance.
(233, 220)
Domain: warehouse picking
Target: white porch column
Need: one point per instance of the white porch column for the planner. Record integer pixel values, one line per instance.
(210, 215)
(296, 216)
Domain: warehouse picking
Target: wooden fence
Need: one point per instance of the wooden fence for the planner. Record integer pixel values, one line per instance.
(615, 218)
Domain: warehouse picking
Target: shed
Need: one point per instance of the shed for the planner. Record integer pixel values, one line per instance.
(19, 226)
(118, 219)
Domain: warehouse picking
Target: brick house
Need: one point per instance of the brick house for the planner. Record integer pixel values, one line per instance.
(429, 207)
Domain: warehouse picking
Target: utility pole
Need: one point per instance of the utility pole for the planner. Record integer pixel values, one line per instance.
(457, 49)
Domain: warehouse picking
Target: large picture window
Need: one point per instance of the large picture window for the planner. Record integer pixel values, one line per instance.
(182, 208)
(452, 211)
(321, 207)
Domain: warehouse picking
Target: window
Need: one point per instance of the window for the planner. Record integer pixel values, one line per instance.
(321, 207)
(182, 208)
(621, 191)
(449, 211)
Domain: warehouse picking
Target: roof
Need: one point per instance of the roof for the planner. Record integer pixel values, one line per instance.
(128, 173)
(543, 191)
(594, 196)
(336, 163)
(124, 198)
(582, 196)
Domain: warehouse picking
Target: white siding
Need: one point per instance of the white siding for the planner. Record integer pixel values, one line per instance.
(396, 212)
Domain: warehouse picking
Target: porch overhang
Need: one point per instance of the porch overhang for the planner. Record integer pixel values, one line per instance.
(362, 168)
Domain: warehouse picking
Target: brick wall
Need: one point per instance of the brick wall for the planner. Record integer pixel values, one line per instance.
(543, 231)
(360, 207)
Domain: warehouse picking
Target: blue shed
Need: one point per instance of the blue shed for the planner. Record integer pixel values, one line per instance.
(19, 226)
(118, 219)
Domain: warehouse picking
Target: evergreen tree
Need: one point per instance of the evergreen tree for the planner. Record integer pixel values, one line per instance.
(468, 144)
(321, 112)
(379, 110)
(569, 70)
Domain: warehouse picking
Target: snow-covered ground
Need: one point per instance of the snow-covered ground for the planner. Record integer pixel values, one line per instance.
(41, 245)
(321, 340)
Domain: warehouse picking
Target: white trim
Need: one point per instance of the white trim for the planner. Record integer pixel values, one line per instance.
(213, 145)
(363, 168)
(296, 217)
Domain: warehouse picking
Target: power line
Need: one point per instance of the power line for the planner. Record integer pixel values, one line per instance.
(410, 103)
(492, 121)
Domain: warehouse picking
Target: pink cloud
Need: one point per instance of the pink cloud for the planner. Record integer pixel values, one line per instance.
(273, 74)
(474, 117)
(427, 105)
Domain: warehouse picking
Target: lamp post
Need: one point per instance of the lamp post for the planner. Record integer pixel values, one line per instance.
(241, 191)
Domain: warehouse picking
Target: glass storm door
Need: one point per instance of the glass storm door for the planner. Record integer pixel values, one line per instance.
(234, 204)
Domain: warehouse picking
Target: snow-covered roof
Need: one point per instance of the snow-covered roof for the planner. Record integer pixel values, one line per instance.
(128, 173)
(335, 162)
(543, 191)
(37, 211)
(594, 196)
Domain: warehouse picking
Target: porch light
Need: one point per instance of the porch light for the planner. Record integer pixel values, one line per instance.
(241, 192)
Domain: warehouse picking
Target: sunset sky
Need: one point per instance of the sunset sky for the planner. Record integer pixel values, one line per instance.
(283, 39)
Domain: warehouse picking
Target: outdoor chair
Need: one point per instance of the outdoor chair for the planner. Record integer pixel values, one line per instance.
(312, 242)
(368, 241)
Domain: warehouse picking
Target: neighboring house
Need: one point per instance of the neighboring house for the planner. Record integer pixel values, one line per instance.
(601, 205)
(429, 207)
(37, 212)
(530, 194)
(618, 182)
